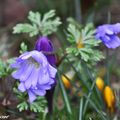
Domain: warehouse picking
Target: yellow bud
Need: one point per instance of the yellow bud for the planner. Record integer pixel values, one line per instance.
(109, 98)
(100, 83)
(66, 82)
(80, 44)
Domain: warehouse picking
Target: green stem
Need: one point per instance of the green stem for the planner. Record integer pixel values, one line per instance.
(96, 109)
(97, 93)
(64, 95)
(88, 97)
(84, 82)
(78, 11)
(107, 68)
(44, 115)
(81, 109)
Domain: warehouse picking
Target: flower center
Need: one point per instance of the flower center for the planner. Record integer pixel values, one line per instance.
(33, 61)
(79, 43)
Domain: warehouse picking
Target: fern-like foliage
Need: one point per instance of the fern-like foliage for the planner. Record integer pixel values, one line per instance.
(83, 45)
(5, 69)
(39, 24)
(39, 105)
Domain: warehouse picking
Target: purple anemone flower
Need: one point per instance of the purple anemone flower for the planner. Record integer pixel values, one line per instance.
(45, 45)
(35, 74)
(108, 34)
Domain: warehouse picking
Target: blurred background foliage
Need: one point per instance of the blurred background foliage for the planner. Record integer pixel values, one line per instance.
(14, 11)
(83, 11)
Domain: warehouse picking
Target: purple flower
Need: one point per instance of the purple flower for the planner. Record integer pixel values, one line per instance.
(108, 34)
(44, 44)
(35, 74)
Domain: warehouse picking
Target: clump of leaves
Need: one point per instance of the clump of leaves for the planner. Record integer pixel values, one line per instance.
(83, 45)
(39, 24)
(38, 105)
(5, 69)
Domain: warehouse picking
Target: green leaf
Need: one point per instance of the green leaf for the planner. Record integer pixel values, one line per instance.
(37, 25)
(26, 28)
(73, 33)
(34, 17)
(81, 109)
(22, 106)
(50, 26)
(5, 69)
(37, 106)
(65, 96)
(23, 47)
(48, 15)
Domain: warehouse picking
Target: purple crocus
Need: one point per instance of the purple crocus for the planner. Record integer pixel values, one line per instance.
(45, 45)
(108, 34)
(35, 74)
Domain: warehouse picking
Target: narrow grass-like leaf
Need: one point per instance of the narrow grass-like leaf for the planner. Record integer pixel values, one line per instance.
(64, 95)
(102, 114)
(88, 97)
(80, 76)
(81, 109)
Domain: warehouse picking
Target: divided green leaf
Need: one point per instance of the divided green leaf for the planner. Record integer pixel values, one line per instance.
(39, 25)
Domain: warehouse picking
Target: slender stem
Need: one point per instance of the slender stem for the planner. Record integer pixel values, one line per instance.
(44, 115)
(107, 68)
(64, 95)
(107, 54)
(78, 10)
(61, 60)
(97, 110)
(84, 82)
(81, 109)
(109, 17)
(88, 97)
(92, 79)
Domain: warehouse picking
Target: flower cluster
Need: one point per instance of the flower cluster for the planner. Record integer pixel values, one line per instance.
(36, 75)
(108, 34)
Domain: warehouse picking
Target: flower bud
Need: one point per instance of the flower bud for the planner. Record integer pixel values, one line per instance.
(68, 76)
(99, 83)
(66, 82)
(109, 98)
(45, 45)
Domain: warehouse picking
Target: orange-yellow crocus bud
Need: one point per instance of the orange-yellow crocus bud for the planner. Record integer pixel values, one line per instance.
(109, 98)
(100, 83)
(68, 76)
(66, 82)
